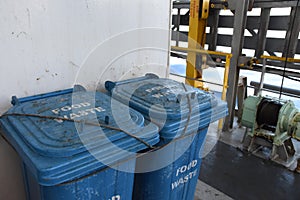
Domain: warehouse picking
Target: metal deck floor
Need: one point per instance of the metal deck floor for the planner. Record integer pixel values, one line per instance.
(227, 172)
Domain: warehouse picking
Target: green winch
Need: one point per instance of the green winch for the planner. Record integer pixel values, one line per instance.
(271, 123)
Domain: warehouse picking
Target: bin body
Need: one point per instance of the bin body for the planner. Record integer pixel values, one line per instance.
(103, 185)
(178, 180)
(183, 114)
(65, 159)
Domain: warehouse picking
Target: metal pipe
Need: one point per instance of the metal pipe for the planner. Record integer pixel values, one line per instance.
(262, 78)
(276, 88)
(200, 51)
(283, 59)
(195, 79)
(275, 92)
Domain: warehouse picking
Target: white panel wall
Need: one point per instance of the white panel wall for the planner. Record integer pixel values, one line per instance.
(46, 44)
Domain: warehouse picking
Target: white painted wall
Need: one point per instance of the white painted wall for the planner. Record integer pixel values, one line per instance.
(45, 44)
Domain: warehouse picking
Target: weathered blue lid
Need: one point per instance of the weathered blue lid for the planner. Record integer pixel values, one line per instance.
(175, 107)
(164, 97)
(177, 128)
(53, 148)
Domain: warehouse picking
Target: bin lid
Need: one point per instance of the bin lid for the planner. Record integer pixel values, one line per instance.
(174, 128)
(53, 149)
(145, 92)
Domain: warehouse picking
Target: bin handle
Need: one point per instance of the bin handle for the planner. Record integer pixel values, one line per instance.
(110, 85)
(191, 93)
(17, 101)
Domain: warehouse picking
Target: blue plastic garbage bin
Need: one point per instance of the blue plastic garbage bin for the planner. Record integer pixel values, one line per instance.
(66, 155)
(183, 114)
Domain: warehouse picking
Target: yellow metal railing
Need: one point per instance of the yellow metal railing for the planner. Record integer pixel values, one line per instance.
(200, 51)
(226, 72)
(281, 59)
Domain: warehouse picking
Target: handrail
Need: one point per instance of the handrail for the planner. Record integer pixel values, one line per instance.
(228, 57)
(184, 49)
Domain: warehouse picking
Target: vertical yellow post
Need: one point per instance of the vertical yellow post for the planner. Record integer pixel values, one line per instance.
(196, 40)
(225, 86)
